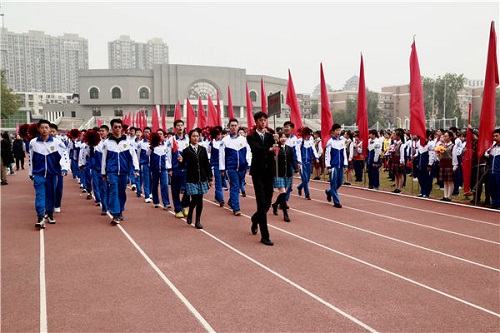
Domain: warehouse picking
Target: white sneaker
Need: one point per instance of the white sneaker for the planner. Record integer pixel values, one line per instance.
(148, 200)
(57, 209)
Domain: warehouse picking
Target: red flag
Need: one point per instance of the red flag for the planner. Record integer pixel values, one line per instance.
(99, 122)
(250, 120)
(291, 101)
(219, 114)
(163, 118)
(155, 122)
(202, 116)
(191, 116)
(487, 119)
(230, 111)
(417, 111)
(467, 156)
(177, 112)
(362, 116)
(263, 96)
(326, 115)
(212, 113)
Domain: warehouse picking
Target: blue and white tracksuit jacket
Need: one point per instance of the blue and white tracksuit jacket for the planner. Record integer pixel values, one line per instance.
(308, 154)
(494, 162)
(213, 151)
(177, 145)
(118, 156)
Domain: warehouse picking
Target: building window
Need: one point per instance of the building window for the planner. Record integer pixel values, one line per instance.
(73, 114)
(144, 93)
(203, 89)
(118, 112)
(253, 96)
(116, 93)
(94, 93)
(96, 111)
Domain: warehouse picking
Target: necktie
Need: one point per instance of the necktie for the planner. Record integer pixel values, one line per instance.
(262, 137)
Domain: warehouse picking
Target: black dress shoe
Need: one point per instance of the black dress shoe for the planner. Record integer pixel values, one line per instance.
(275, 208)
(300, 190)
(286, 218)
(328, 196)
(189, 220)
(254, 229)
(337, 206)
(198, 225)
(266, 242)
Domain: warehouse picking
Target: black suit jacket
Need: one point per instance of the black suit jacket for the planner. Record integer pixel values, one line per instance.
(197, 165)
(262, 158)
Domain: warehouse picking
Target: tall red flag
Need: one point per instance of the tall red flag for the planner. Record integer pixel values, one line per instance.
(212, 113)
(250, 120)
(291, 101)
(163, 118)
(177, 112)
(155, 122)
(191, 116)
(362, 116)
(487, 119)
(263, 96)
(202, 116)
(230, 111)
(417, 111)
(99, 123)
(219, 114)
(467, 155)
(326, 115)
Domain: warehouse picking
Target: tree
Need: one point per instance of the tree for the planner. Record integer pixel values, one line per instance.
(348, 116)
(10, 101)
(436, 104)
(314, 107)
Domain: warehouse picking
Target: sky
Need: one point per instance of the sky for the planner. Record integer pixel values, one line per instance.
(270, 38)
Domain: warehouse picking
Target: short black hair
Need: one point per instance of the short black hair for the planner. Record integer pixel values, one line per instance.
(176, 122)
(497, 130)
(54, 126)
(289, 123)
(106, 127)
(259, 115)
(116, 121)
(43, 121)
(147, 128)
(335, 126)
(231, 120)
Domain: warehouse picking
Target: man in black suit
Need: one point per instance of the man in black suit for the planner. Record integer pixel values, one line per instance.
(263, 146)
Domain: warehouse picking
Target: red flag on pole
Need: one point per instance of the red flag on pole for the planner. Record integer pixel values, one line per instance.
(326, 115)
(177, 112)
(155, 122)
(467, 156)
(230, 111)
(263, 96)
(99, 122)
(250, 120)
(212, 113)
(202, 116)
(219, 113)
(291, 101)
(190, 116)
(417, 111)
(163, 118)
(487, 119)
(362, 116)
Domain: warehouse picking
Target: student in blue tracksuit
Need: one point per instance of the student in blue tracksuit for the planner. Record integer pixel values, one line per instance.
(336, 163)
(60, 178)
(97, 170)
(158, 165)
(292, 141)
(47, 158)
(213, 152)
(309, 155)
(118, 156)
(177, 173)
(145, 175)
(234, 159)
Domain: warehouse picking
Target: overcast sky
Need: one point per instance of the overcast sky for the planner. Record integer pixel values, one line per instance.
(270, 38)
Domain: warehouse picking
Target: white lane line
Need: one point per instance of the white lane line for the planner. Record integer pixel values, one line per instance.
(307, 292)
(414, 208)
(43, 290)
(176, 291)
(379, 268)
(398, 240)
(411, 222)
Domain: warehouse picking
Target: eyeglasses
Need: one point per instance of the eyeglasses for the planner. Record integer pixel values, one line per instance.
(117, 127)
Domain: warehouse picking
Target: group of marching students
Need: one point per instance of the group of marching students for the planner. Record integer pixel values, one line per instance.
(107, 160)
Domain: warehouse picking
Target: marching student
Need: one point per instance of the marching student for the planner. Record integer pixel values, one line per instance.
(97, 170)
(373, 162)
(292, 141)
(349, 150)
(448, 163)
(213, 152)
(47, 158)
(336, 163)
(285, 165)
(177, 173)
(60, 178)
(118, 156)
(198, 175)
(234, 159)
(424, 162)
(309, 155)
(158, 167)
(145, 175)
(358, 159)
(135, 141)
(319, 165)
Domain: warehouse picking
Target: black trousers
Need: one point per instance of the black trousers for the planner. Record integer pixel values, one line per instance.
(263, 187)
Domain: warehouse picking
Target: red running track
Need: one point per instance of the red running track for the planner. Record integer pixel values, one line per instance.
(384, 263)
